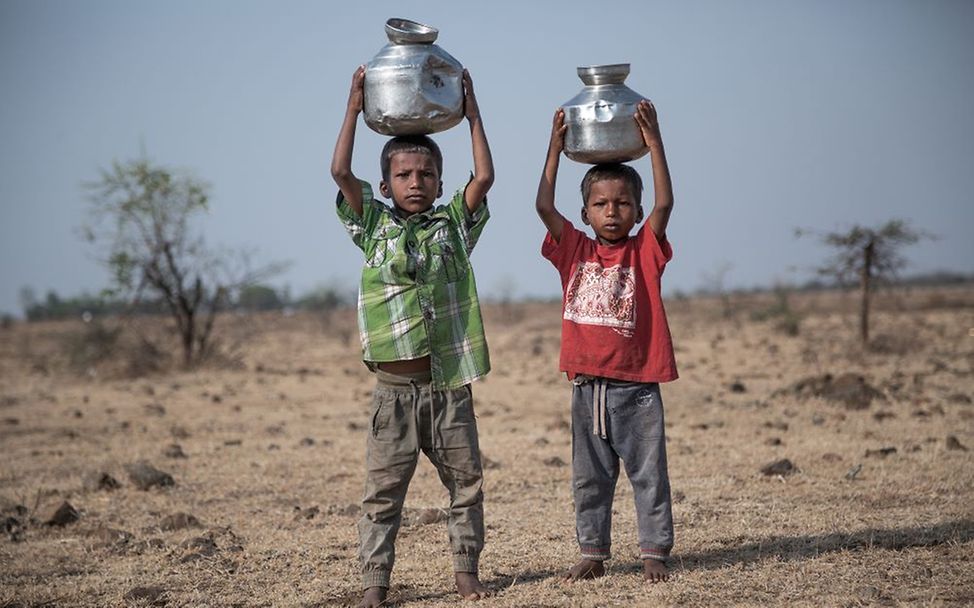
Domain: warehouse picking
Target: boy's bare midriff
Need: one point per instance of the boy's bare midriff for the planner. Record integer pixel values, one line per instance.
(406, 366)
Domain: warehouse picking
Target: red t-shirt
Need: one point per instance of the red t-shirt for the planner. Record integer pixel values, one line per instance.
(613, 322)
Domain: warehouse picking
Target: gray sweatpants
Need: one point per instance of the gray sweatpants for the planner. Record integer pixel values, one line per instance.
(613, 420)
(408, 416)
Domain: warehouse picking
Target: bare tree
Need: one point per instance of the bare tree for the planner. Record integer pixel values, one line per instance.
(865, 256)
(142, 221)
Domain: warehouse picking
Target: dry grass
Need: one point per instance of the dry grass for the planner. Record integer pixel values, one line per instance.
(269, 442)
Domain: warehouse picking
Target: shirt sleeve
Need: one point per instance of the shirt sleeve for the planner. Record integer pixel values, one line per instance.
(470, 225)
(359, 227)
(653, 248)
(562, 253)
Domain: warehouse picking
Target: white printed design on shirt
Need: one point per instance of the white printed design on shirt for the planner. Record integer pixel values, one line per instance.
(602, 296)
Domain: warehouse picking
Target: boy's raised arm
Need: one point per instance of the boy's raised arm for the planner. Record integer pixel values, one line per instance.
(659, 217)
(483, 162)
(341, 162)
(545, 202)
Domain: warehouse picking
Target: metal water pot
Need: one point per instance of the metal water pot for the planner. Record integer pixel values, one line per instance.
(600, 119)
(412, 86)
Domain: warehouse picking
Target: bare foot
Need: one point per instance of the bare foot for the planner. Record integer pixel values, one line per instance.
(374, 597)
(469, 586)
(584, 569)
(654, 571)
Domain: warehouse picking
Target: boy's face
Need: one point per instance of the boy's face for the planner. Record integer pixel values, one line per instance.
(413, 182)
(611, 210)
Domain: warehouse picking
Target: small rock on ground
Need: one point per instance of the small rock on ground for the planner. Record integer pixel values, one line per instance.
(881, 452)
(309, 513)
(554, 461)
(779, 467)
(100, 480)
(146, 476)
(954, 444)
(65, 514)
(174, 450)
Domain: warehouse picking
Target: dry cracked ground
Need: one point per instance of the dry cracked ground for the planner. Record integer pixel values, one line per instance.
(807, 469)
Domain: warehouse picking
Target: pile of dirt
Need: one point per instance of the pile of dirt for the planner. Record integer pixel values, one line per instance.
(850, 390)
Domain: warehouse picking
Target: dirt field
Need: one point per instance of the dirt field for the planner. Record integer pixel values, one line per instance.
(265, 458)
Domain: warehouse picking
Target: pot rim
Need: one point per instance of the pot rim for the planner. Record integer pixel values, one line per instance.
(609, 73)
(407, 31)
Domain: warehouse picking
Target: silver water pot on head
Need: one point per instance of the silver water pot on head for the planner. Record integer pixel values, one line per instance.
(600, 119)
(412, 86)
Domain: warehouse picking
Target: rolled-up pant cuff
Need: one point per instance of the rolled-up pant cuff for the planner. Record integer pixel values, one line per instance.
(465, 563)
(657, 553)
(596, 554)
(375, 578)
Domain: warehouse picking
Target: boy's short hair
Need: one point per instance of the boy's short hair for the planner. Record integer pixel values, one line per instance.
(410, 143)
(607, 171)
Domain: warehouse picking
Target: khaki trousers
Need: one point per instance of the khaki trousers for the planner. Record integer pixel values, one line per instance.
(409, 416)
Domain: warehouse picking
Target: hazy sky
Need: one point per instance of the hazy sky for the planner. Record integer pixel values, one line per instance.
(775, 115)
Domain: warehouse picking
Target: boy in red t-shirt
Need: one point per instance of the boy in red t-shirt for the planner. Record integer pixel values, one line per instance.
(615, 346)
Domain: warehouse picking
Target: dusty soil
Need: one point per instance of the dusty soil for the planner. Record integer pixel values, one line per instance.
(252, 468)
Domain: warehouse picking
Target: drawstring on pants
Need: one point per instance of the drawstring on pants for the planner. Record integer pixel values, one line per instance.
(598, 408)
(416, 395)
(600, 388)
(417, 400)
(416, 382)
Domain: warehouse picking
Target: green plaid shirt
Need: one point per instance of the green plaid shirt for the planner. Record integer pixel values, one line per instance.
(418, 296)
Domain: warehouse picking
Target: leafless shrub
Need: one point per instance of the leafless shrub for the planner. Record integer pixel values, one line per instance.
(142, 221)
(95, 342)
(787, 320)
(867, 256)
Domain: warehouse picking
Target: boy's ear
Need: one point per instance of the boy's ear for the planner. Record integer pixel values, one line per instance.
(384, 189)
(439, 192)
(639, 213)
(585, 216)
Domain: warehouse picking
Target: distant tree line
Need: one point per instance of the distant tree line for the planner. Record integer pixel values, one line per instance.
(251, 298)
(938, 278)
(259, 298)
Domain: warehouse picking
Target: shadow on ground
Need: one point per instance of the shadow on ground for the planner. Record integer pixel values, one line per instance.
(400, 594)
(791, 548)
(739, 551)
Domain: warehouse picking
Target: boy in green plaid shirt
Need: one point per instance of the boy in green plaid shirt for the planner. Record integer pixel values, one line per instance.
(422, 334)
